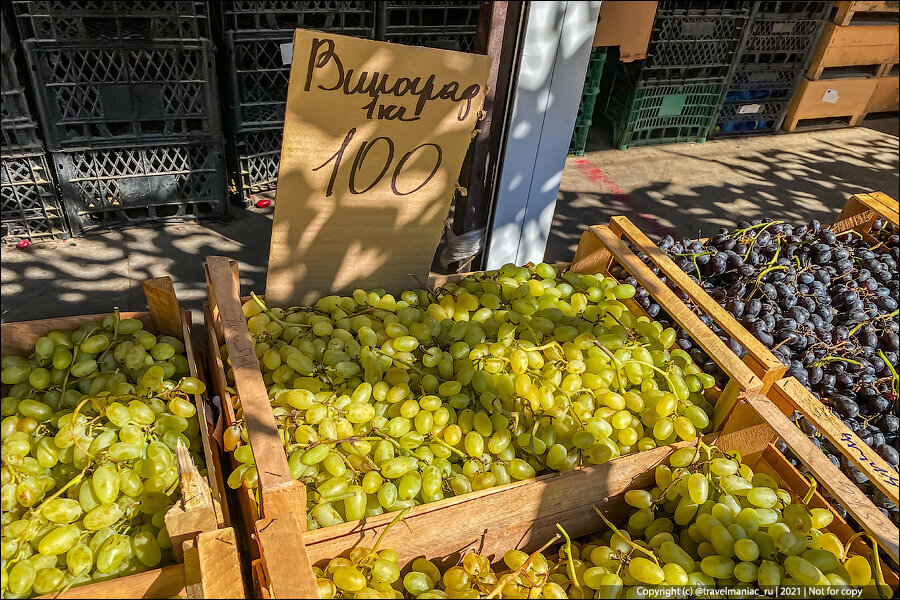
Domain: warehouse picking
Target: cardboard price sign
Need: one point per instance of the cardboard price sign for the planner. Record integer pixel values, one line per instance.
(374, 138)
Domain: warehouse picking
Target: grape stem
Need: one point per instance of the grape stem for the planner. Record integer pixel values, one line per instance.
(401, 361)
(876, 562)
(522, 568)
(272, 316)
(570, 565)
(895, 379)
(617, 363)
(625, 539)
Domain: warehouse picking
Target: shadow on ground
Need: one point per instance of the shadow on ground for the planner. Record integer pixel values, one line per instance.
(96, 273)
(693, 189)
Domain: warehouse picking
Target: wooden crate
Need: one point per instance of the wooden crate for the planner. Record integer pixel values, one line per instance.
(204, 543)
(861, 212)
(863, 50)
(886, 97)
(828, 102)
(865, 12)
(279, 521)
(525, 515)
(788, 393)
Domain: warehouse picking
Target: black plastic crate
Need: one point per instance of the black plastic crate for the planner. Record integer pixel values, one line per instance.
(259, 78)
(18, 131)
(430, 16)
(792, 10)
(459, 41)
(258, 153)
(139, 185)
(692, 47)
(30, 206)
(95, 21)
(787, 43)
(750, 118)
(762, 83)
(347, 18)
(703, 8)
(122, 93)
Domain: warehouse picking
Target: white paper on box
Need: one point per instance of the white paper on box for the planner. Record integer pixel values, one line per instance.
(749, 109)
(830, 96)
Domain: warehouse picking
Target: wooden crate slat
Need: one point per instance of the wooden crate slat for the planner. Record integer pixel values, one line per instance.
(847, 442)
(846, 11)
(831, 478)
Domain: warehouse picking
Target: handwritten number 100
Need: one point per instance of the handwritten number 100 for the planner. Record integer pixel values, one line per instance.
(361, 155)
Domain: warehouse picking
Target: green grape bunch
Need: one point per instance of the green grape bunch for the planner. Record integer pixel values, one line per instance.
(710, 522)
(91, 421)
(385, 403)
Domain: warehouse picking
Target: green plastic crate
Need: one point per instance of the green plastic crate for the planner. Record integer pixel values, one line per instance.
(643, 114)
(588, 100)
(579, 140)
(594, 71)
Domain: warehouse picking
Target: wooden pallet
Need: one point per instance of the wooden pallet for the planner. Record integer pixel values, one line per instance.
(828, 102)
(282, 569)
(858, 51)
(864, 12)
(204, 542)
(886, 97)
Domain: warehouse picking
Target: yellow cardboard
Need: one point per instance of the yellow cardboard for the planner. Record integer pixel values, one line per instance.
(374, 138)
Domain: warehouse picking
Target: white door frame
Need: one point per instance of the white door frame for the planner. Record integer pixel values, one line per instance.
(555, 55)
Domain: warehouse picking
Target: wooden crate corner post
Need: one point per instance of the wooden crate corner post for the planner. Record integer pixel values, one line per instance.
(279, 531)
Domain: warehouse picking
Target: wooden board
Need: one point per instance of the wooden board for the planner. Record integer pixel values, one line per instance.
(886, 97)
(524, 515)
(830, 477)
(846, 12)
(855, 46)
(844, 99)
(19, 339)
(882, 475)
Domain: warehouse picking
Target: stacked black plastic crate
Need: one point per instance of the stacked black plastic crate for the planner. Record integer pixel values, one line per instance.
(30, 206)
(779, 43)
(254, 38)
(127, 98)
(436, 24)
(674, 94)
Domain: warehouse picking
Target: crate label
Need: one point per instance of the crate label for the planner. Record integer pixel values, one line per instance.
(889, 477)
(787, 27)
(374, 138)
(830, 96)
(287, 53)
(749, 109)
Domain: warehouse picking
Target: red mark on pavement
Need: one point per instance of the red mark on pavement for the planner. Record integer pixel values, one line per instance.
(620, 198)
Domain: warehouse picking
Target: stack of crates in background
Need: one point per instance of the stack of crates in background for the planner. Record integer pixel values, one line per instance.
(853, 71)
(778, 48)
(674, 94)
(30, 206)
(588, 101)
(128, 105)
(431, 23)
(255, 37)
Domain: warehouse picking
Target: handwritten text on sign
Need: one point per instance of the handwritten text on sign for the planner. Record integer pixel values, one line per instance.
(374, 138)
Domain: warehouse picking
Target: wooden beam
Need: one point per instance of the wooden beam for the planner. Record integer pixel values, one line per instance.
(830, 477)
